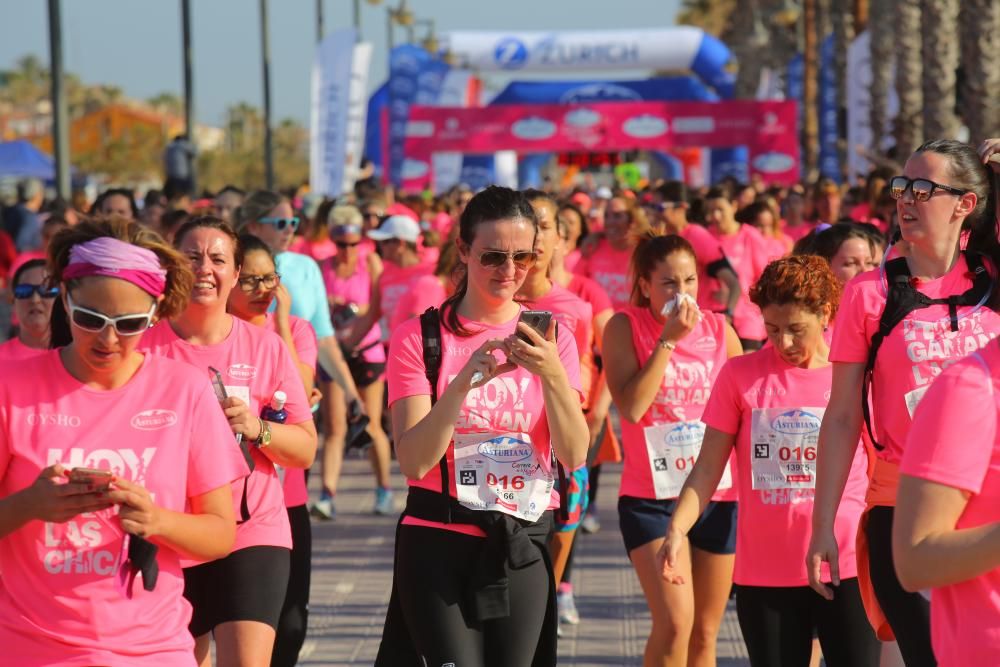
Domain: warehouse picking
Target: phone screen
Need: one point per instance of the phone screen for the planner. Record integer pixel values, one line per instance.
(536, 319)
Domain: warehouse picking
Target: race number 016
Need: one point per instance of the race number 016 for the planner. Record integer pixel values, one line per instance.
(797, 453)
(504, 482)
(682, 463)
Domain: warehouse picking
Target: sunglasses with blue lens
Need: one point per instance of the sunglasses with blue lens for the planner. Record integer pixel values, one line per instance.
(25, 290)
(281, 223)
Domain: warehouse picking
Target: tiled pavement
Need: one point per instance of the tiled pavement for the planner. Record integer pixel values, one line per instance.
(352, 562)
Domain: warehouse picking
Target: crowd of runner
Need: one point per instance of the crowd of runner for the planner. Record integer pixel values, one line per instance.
(803, 382)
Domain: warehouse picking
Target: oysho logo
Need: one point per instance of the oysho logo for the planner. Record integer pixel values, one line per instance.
(153, 420)
(243, 371)
(510, 53)
(506, 449)
(41, 419)
(705, 344)
(796, 422)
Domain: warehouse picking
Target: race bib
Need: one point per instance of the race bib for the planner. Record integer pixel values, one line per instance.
(673, 449)
(502, 472)
(242, 393)
(783, 442)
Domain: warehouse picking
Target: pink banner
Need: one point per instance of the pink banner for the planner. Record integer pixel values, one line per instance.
(768, 129)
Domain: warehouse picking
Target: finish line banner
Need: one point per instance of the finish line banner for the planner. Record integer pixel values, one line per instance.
(768, 129)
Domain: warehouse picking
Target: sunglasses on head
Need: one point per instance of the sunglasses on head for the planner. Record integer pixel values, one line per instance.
(25, 290)
(347, 244)
(251, 283)
(281, 223)
(95, 322)
(922, 188)
(494, 259)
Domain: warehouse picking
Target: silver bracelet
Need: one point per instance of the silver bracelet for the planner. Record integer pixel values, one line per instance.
(666, 344)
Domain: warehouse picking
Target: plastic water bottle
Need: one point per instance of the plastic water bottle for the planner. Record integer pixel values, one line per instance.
(276, 413)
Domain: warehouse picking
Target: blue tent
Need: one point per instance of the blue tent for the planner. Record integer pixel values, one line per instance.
(20, 159)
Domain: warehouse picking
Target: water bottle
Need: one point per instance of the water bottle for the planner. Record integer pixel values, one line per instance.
(276, 413)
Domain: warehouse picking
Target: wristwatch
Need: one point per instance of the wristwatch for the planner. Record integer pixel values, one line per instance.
(666, 344)
(264, 439)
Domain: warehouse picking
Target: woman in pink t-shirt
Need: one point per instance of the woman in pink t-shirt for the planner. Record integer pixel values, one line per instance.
(259, 286)
(768, 407)
(761, 217)
(660, 370)
(239, 598)
(77, 588)
(577, 231)
(349, 276)
(607, 261)
(471, 574)
(943, 193)
(33, 298)
(849, 248)
(948, 510)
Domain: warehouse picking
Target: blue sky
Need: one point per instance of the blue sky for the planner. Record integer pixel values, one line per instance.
(135, 44)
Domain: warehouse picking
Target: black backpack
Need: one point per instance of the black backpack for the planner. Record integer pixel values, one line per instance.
(430, 331)
(902, 299)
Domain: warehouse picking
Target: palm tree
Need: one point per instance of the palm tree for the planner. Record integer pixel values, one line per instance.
(979, 22)
(810, 87)
(712, 16)
(881, 32)
(940, 54)
(909, 127)
(842, 17)
(167, 103)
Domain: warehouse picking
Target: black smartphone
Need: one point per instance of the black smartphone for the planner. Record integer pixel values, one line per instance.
(538, 320)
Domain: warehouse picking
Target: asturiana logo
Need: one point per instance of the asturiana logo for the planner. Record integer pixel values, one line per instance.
(685, 434)
(243, 371)
(506, 449)
(796, 422)
(153, 420)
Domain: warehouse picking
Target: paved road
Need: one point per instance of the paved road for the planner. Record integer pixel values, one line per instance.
(352, 563)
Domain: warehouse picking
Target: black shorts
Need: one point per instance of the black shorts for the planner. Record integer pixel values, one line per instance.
(247, 585)
(643, 520)
(362, 372)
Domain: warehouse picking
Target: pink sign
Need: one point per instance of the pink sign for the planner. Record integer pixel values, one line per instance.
(768, 129)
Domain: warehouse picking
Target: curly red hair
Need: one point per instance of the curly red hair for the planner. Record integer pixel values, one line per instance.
(804, 280)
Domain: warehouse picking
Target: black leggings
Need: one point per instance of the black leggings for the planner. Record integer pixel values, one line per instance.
(432, 569)
(778, 625)
(294, 620)
(908, 613)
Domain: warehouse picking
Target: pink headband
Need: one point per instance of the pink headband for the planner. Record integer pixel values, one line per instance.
(110, 257)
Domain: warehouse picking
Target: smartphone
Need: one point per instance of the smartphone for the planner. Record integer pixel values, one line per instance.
(538, 320)
(100, 479)
(220, 393)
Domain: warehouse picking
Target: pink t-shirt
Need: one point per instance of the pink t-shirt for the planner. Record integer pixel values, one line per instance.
(318, 250)
(572, 259)
(577, 315)
(588, 290)
(917, 350)
(512, 402)
(798, 231)
(774, 524)
(610, 269)
(354, 290)
(707, 251)
(15, 350)
(60, 602)
(426, 292)
(306, 347)
(748, 253)
(394, 282)
(687, 383)
(965, 617)
(254, 364)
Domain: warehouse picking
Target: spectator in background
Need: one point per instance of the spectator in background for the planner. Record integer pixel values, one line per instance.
(153, 206)
(227, 201)
(21, 221)
(827, 202)
(115, 202)
(178, 163)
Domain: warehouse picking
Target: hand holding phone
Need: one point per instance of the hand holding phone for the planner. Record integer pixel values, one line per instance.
(539, 320)
(99, 479)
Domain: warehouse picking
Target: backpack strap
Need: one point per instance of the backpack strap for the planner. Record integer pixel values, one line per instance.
(430, 332)
(902, 298)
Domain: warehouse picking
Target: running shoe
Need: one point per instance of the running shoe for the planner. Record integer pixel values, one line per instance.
(567, 608)
(383, 502)
(323, 509)
(590, 524)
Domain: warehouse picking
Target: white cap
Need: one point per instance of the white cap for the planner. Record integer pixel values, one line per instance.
(397, 227)
(603, 192)
(278, 400)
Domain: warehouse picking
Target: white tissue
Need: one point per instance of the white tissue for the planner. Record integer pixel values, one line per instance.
(669, 306)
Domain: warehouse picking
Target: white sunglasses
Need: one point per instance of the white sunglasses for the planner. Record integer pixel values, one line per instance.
(125, 325)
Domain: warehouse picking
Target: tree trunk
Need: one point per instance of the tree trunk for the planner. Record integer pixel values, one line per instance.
(810, 77)
(940, 54)
(980, 28)
(881, 29)
(750, 53)
(909, 126)
(842, 16)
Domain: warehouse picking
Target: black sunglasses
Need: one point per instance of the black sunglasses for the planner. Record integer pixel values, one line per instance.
(25, 290)
(346, 244)
(922, 188)
(494, 259)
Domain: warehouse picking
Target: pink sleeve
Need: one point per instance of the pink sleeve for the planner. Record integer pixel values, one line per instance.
(582, 267)
(214, 458)
(724, 410)
(305, 341)
(405, 370)
(570, 358)
(938, 449)
(290, 382)
(600, 299)
(850, 340)
(706, 247)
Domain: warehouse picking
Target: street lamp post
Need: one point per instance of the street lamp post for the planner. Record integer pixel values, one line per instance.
(60, 140)
(319, 21)
(188, 79)
(265, 52)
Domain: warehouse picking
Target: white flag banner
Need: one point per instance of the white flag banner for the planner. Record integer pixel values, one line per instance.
(859, 101)
(339, 77)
